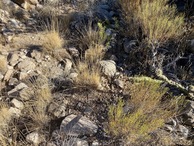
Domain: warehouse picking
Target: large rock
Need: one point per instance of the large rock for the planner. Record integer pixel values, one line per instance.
(78, 126)
(108, 67)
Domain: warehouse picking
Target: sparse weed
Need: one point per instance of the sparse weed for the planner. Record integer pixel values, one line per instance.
(149, 109)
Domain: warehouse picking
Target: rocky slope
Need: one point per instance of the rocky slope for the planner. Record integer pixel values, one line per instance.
(46, 96)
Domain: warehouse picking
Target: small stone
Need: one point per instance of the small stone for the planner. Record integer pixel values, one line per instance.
(108, 67)
(129, 45)
(17, 88)
(80, 142)
(73, 51)
(119, 83)
(73, 75)
(33, 138)
(17, 104)
(23, 75)
(191, 88)
(95, 143)
(26, 65)
(57, 110)
(36, 55)
(8, 74)
(68, 66)
(26, 93)
(15, 111)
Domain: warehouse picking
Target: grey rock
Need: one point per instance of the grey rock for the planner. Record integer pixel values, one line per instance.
(189, 113)
(119, 83)
(13, 59)
(26, 65)
(23, 75)
(68, 66)
(13, 82)
(15, 111)
(73, 51)
(95, 143)
(4, 16)
(33, 138)
(17, 104)
(108, 32)
(80, 142)
(108, 67)
(8, 74)
(17, 88)
(73, 75)
(129, 45)
(36, 55)
(58, 109)
(184, 131)
(26, 93)
(78, 125)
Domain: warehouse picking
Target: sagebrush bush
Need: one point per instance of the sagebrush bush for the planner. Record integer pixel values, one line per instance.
(158, 21)
(149, 109)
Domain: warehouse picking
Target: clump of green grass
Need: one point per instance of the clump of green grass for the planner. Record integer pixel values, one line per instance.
(149, 109)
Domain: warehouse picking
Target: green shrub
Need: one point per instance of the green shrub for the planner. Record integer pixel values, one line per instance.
(158, 21)
(149, 109)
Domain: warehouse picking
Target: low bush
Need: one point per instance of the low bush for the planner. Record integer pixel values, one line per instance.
(149, 108)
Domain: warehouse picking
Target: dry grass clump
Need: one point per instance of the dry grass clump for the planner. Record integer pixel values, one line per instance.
(158, 21)
(37, 107)
(88, 75)
(5, 119)
(52, 41)
(88, 67)
(3, 64)
(149, 109)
